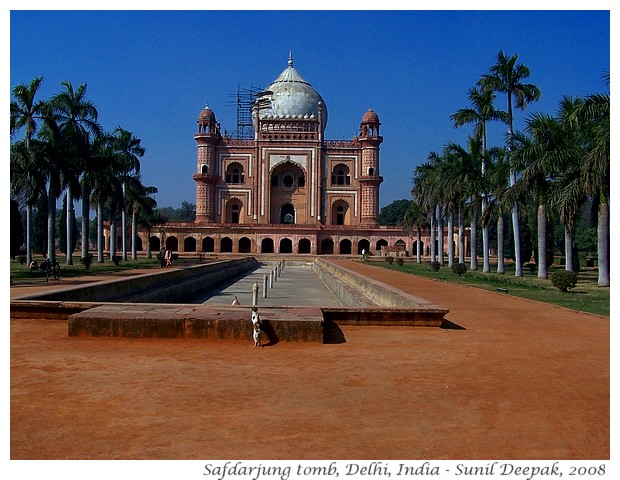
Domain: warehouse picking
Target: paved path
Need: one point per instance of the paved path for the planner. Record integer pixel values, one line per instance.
(298, 285)
(517, 380)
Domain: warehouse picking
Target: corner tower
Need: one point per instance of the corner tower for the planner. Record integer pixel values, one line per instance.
(370, 179)
(205, 177)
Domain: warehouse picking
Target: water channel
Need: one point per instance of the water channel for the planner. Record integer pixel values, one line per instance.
(297, 285)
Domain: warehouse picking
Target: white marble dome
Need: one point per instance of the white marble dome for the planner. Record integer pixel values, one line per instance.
(290, 96)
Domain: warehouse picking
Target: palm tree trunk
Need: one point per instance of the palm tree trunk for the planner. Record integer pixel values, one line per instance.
(542, 241)
(28, 233)
(603, 244)
(85, 220)
(148, 243)
(433, 239)
(134, 234)
(69, 226)
(486, 265)
(568, 250)
(500, 244)
(450, 238)
(461, 237)
(440, 233)
(100, 231)
(124, 226)
(516, 232)
(112, 233)
(51, 222)
(473, 263)
(418, 246)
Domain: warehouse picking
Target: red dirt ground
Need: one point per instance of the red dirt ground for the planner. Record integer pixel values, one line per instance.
(519, 380)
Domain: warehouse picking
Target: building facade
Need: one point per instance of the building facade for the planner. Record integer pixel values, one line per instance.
(287, 189)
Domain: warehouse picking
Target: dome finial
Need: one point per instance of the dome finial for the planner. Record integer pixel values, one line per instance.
(290, 58)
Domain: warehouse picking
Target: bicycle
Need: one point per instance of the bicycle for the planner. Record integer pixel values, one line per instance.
(52, 268)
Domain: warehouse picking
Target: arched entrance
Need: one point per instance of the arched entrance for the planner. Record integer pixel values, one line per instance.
(172, 243)
(381, 243)
(288, 193)
(286, 245)
(287, 214)
(363, 244)
(245, 245)
(305, 246)
(155, 243)
(226, 245)
(340, 213)
(189, 244)
(345, 246)
(208, 245)
(266, 245)
(327, 246)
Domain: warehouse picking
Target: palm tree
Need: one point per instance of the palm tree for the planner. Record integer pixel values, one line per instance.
(466, 171)
(595, 111)
(414, 219)
(567, 194)
(426, 192)
(129, 151)
(538, 153)
(506, 76)
(139, 202)
(104, 182)
(481, 112)
(496, 178)
(76, 119)
(26, 111)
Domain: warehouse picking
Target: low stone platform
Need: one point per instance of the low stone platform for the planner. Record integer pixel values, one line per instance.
(302, 324)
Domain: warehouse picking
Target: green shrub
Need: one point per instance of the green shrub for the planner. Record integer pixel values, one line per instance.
(435, 266)
(389, 260)
(116, 259)
(459, 268)
(21, 259)
(400, 261)
(564, 280)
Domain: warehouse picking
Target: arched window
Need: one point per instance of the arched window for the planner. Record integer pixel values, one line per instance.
(234, 174)
(340, 175)
(204, 169)
(287, 181)
(339, 215)
(235, 213)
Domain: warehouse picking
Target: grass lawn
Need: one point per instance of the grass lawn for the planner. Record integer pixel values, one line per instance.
(20, 274)
(587, 296)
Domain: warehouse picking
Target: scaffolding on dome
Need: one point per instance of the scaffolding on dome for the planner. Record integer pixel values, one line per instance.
(243, 100)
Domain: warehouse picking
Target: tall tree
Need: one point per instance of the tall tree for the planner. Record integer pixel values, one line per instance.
(414, 220)
(129, 151)
(482, 110)
(426, 192)
(26, 111)
(76, 119)
(568, 193)
(595, 110)
(537, 153)
(507, 77)
(465, 170)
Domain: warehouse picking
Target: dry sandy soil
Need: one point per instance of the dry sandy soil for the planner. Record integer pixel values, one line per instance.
(514, 379)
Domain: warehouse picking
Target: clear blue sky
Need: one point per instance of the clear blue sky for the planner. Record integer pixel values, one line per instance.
(152, 72)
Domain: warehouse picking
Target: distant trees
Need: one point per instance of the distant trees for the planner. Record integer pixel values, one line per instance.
(552, 168)
(64, 149)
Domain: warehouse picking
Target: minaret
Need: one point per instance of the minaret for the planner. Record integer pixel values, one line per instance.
(369, 179)
(207, 136)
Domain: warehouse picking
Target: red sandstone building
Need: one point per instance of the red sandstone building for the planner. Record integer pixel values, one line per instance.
(287, 189)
